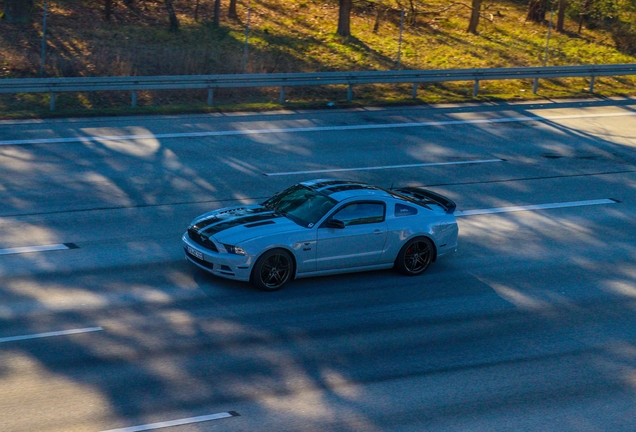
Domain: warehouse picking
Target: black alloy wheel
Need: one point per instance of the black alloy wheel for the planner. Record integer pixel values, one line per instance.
(273, 270)
(415, 257)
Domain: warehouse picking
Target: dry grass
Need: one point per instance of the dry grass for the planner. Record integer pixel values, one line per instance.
(295, 36)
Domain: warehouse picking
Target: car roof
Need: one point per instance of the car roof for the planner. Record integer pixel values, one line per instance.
(340, 190)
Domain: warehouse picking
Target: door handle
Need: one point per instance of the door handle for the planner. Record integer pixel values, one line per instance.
(376, 232)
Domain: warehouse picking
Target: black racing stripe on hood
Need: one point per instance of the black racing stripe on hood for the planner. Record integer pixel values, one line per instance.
(204, 223)
(261, 223)
(224, 215)
(214, 229)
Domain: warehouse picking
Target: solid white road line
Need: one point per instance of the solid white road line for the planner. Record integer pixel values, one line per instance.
(384, 167)
(175, 422)
(535, 207)
(27, 249)
(87, 139)
(50, 334)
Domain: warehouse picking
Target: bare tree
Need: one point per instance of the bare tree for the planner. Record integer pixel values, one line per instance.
(561, 16)
(217, 13)
(537, 10)
(232, 10)
(344, 18)
(174, 22)
(584, 13)
(382, 9)
(378, 15)
(18, 11)
(108, 9)
(474, 16)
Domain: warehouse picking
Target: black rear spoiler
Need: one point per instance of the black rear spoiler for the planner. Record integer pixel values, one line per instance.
(425, 196)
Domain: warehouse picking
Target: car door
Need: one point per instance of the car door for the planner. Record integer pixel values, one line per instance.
(358, 242)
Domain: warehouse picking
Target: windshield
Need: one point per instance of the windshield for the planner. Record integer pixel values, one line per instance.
(301, 204)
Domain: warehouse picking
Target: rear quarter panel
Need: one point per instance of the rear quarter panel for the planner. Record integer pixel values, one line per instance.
(441, 228)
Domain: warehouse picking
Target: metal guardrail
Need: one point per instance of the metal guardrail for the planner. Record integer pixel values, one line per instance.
(282, 80)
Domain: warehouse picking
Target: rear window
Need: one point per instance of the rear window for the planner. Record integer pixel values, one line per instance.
(404, 210)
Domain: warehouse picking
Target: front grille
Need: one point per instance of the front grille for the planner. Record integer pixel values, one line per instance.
(203, 241)
(199, 261)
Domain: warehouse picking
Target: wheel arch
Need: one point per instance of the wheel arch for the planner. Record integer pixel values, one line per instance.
(419, 235)
(281, 247)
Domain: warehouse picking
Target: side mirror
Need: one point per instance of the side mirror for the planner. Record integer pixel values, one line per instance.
(335, 223)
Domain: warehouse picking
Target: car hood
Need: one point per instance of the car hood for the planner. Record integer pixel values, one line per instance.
(233, 225)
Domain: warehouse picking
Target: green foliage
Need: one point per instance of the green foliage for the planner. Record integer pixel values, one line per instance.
(597, 10)
(624, 35)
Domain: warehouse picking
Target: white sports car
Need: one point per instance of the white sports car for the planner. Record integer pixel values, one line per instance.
(323, 227)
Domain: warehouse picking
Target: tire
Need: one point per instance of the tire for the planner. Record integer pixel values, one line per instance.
(415, 257)
(272, 270)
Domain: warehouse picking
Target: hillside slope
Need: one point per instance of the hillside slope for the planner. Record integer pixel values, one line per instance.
(285, 36)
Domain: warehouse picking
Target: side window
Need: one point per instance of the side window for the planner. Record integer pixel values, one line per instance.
(361, 213)
(404, 210)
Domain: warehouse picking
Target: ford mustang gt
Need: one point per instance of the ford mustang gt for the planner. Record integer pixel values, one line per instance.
(324, 227)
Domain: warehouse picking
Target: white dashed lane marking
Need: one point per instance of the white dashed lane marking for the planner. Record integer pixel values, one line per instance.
(50, 334)
(535, 207)
(178, 422)
(89, 138)
(45, 248)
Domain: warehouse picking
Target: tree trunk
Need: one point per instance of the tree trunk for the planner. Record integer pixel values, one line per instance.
(376, 24)
(474, 17)
(108, 9)
(174, 22)
(18, 11)
(584, 14)
(412, 13)
(561, 16)
(537, 10)
(217, 13)
(344, 18)
(232, 11)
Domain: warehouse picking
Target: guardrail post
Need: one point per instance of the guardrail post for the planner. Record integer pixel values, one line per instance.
(210, 96)
(133, 103)
(535, 86)
(592, 84)
(414, 94)
(476, 88)
(281, 99)
(350, 93)
(52, 101)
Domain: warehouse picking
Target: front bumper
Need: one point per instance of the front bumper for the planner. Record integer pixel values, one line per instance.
(227, 265)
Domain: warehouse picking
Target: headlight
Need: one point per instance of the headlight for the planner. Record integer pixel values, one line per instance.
(235, 249)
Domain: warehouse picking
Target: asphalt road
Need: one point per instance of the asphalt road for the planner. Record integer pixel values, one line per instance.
(530, 326)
